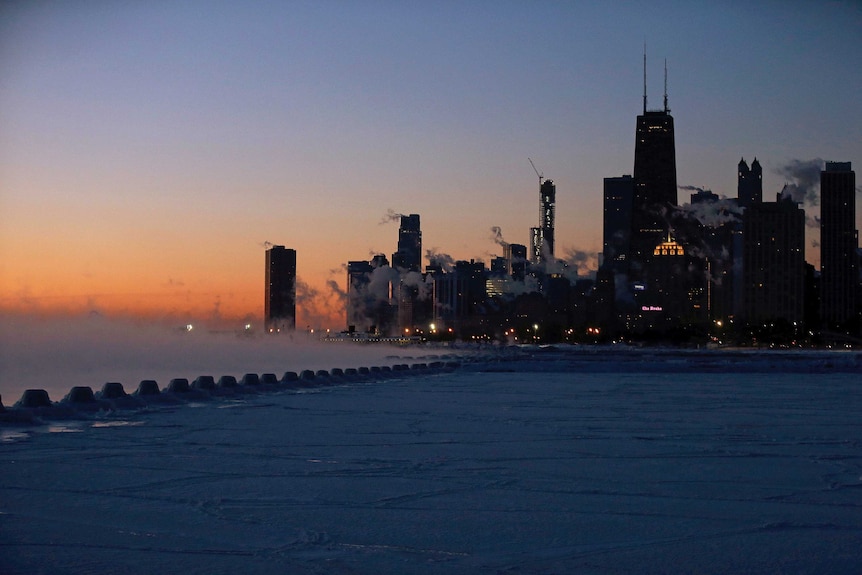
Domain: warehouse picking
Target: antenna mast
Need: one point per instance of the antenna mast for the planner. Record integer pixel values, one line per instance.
(666, 110)
(644, 77)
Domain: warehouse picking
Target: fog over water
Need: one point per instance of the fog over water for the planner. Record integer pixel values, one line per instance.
(57, 354)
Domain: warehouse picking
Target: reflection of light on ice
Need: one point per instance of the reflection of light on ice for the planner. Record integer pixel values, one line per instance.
(72, 428)
(116, 423)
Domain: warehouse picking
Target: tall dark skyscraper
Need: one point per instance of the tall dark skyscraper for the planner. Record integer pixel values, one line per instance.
(749, 188)
(617, 222)
(280, 297)
(409, 254)
(358, 298)
(654, 178)
(839, 240)
(547, 208)
(542, 236)
(773, 261)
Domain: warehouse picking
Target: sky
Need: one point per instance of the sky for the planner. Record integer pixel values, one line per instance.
(151, 151)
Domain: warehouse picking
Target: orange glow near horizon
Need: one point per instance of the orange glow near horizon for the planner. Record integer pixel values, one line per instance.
(51, 285)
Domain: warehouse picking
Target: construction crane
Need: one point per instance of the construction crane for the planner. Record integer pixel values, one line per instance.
(541, 176)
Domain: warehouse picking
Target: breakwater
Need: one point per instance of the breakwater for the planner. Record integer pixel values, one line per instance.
(35, 405)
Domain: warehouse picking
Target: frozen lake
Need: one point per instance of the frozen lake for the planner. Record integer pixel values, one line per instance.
(609, 465)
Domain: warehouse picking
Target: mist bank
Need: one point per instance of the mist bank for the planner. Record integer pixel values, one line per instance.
(56, 354)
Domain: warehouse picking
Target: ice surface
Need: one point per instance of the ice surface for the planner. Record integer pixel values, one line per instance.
(709, 465)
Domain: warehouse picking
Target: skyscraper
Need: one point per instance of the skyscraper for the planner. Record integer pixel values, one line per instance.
(409, 254)
(535, 245)
(617, 222)
(358, 304)
(547, 208)
(773, 274)
(654, 178)
(280, 296)
(749, 188)
(839, 240)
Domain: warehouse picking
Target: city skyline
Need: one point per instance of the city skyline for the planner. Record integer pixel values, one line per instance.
(147, 177)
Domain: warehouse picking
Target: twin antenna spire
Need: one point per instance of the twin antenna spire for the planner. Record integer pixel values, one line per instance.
(666, 109)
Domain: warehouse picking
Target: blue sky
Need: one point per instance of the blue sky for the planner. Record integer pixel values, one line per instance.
(182, 136)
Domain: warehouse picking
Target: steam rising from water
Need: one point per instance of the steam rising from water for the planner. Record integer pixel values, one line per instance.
(58, 353)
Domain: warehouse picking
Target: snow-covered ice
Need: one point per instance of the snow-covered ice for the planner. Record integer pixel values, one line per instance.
(553, 463)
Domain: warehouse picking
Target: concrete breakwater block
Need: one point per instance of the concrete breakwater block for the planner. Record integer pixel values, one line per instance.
(149, 392)
(204, 383)
(38, 404)
(82, 398)
(148, 387)
(307, 378)
(15, 416)
(226, 382)
(114, 393)
(180, 388)
(268, 379)
(113, 390)
(178, 385)
(80, 394)
(250, 380)
(34, 398)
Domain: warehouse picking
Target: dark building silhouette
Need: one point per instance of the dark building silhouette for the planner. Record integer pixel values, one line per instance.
(547, 207)
(535, 245)
(655, 188)
(749, 190)
(458, 294)
(717, 247)
(839, 240)
(409, 254)
(369, 296)
(675, 293)
(499, 266)
(358, 278)
(773, 259)
(516, 256)
(617, 222)
(280, 296)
